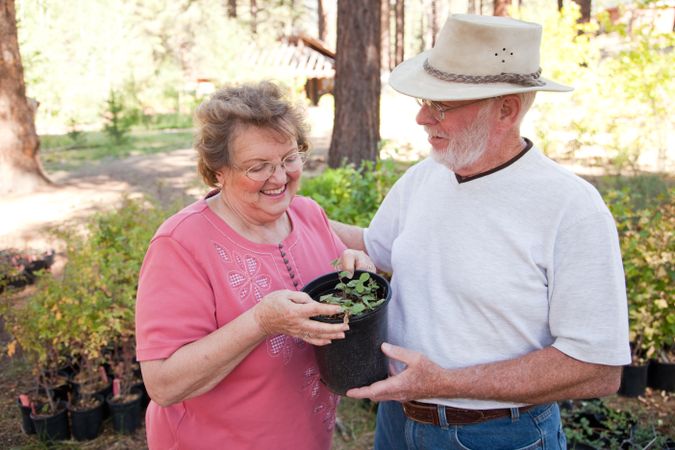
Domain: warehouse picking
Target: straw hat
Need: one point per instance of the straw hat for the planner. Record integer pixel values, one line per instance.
(476, 57)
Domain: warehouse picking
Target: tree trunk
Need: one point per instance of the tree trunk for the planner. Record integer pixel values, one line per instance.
(585, 8)
(232, 8)
(400, 32)
(254, 16)
(501, 7)
(434, 21)
(385, 46)
(356, 128)
(323, 30)
(20, 169)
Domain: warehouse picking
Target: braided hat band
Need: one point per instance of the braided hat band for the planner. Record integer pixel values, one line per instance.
(527, 79)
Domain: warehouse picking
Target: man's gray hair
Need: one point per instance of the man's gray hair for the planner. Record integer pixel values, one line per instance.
(526, 101)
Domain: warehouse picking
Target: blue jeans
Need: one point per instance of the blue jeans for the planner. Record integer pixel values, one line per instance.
(536, 428)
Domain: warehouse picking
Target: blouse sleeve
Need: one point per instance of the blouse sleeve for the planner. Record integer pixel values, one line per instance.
(174, 304)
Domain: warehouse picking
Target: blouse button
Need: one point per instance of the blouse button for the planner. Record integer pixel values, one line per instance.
(286, 261)
(292, 275)
(295, 283)
(283, 253)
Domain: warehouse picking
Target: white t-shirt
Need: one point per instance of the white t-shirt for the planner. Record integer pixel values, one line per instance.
(499, 266)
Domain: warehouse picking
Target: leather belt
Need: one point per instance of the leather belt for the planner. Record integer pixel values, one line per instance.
(428, 413)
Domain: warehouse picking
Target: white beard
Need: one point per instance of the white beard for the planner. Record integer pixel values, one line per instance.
(467, 146)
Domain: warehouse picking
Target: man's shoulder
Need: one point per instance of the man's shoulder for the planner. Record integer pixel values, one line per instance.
(563, 183)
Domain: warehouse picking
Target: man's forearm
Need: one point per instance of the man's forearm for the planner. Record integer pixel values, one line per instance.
(539, 377)
(351, 235)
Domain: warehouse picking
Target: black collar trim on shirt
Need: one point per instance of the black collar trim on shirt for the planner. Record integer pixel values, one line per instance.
(528, 146)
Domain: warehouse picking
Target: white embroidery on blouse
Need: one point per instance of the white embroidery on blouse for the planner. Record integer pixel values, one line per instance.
(247, 279)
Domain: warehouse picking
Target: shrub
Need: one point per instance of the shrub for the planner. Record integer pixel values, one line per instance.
(92, 305)
(352, 195)
(648, 251)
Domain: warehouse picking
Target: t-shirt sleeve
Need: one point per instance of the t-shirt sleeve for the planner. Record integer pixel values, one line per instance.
(384, 228)
(588, 307)
(174, 303)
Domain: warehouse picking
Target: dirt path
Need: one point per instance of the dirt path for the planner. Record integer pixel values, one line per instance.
(165, 176)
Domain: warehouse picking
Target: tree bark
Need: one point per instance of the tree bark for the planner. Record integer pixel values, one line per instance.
(385, 45)
(232, 8)
(356, 128)
(323, 30)
(434, 21)
(20, 168)
(399, 40)
(585, 8)
(501, 7)
(254, 16)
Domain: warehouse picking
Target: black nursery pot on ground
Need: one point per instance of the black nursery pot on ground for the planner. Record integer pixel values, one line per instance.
(633, 381)
(661, 375)
(87, 423)
(52, 427)
(356, 360)
(126, 415)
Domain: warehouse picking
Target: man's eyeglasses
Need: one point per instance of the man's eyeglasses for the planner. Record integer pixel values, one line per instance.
(262, 171)
(438, 109)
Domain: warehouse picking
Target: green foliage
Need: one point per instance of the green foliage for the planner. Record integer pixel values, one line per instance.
(352, 195)
(58, 152)
(118, 119)
(648, 251)
(593, 423)
(354, 295)
(619, 111)
(92, 305)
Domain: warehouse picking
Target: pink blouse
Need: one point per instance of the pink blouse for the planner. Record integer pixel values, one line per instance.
(197, 276)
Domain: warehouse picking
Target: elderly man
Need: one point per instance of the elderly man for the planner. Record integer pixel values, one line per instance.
(508, 284)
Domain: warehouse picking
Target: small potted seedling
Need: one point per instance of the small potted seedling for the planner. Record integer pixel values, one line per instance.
(356, 360)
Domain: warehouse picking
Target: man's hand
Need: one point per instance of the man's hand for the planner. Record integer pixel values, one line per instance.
(351, 260)
(420, 379)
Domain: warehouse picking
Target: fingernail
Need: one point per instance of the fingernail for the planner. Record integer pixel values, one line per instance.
(385, 346)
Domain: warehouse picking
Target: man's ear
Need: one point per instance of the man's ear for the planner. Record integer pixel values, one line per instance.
(509, 110)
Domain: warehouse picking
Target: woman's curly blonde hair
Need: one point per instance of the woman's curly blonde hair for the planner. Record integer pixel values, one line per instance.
(219, 119)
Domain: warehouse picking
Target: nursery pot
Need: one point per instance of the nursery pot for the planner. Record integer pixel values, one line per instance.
(356, 360)
(88, 423)
(126, 416)
(26, 422)
(52, 427)
(633, 381)
(661, 375)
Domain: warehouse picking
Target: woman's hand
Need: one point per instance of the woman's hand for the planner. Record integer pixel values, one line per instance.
(352, 260)
(288, 312)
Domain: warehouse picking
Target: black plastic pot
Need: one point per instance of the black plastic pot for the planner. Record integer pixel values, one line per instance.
(87, 424)
(356, 360)
(661, 376)
(52, 427)
(633, 381)
(145, 398)
(26, 422)
(126, 417)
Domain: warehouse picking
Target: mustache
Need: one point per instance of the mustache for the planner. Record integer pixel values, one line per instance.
(433, 133)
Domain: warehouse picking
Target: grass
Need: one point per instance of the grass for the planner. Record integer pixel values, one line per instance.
(65, 152)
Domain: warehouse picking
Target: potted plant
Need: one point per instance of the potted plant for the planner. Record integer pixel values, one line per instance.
(356, 360)
(645, 235)
(125, 401)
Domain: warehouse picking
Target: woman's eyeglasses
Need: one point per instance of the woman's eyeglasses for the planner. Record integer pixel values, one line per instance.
(264, 170)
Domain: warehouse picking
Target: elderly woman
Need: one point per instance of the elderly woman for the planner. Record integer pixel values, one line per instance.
(222, 328)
